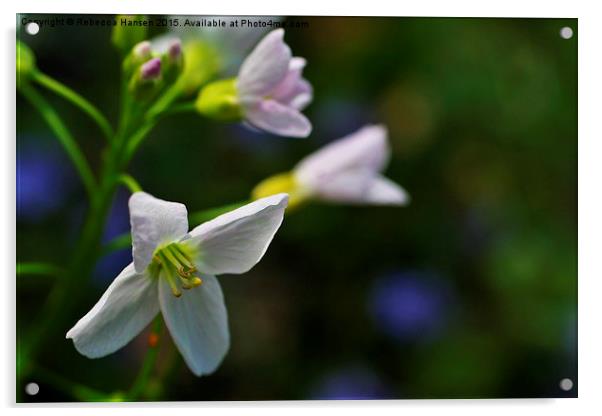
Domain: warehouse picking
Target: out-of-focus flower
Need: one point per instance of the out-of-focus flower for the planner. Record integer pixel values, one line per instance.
(44, 180)
(345, 171)
(151, 70)
(351, 383)
(409, 305)
(168, 258)
(147, 80)
(268, 94)
(169, 49)
(153, 66)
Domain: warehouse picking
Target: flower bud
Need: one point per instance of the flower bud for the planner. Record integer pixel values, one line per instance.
(26, 61)
(151, 70)
(219, 101)
(141, 52)
(147, 81)
(172, 61)
(128, 32)
(174, 50)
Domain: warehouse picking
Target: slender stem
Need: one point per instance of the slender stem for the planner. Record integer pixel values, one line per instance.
(64, 136)
(181, 108)
(151, 118)
(140, 383)
(165, 100)
(135, 140)
(130, 183)
(43, 269)
(76, 99)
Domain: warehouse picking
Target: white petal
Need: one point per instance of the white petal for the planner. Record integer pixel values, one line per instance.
(154, 222)
(349, 187)
(126, 307)
(294, 91)
(198, 324)
(273, 117)
(234, 242)
(361, 187)
(302, 95)
(383, 191)
(265, 67)
(367, 149)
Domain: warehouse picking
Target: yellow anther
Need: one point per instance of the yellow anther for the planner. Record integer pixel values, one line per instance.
(196, 281)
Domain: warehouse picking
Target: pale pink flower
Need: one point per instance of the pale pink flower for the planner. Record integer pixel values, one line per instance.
(349, 170)
(271, 89)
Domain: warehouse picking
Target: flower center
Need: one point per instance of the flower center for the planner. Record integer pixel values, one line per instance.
(173, 263)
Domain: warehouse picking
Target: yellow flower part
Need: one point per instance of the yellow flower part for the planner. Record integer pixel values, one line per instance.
(282, 183)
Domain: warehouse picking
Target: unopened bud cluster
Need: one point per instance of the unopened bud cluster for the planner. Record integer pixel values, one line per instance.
(150, 72)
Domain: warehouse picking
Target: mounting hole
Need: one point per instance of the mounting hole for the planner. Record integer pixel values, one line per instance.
(32, 28)
(566, 32)
(566, 384)
(32, 389)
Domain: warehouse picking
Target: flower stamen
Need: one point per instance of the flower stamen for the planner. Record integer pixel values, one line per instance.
(179, 271)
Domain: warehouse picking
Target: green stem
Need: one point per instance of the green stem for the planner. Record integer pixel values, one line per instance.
(64, 136)
(164, 101)
(135, 140)
(151, 118)
(76, 99)
(140, 383)
(181, 108)
(43, 269)
(130, 183)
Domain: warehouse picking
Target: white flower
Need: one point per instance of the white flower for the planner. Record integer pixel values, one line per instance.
(348, 170)
(168, 258)
(271, 90)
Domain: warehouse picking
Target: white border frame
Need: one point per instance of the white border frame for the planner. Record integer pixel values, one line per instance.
(590, 201)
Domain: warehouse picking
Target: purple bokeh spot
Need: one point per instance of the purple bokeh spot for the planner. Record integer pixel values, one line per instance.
(410, 305)
(44, 181)
(352, 383)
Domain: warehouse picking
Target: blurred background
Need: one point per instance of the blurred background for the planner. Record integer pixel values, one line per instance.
(470, 291)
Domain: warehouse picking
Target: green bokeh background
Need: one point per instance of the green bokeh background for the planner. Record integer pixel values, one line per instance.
(482, 116)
